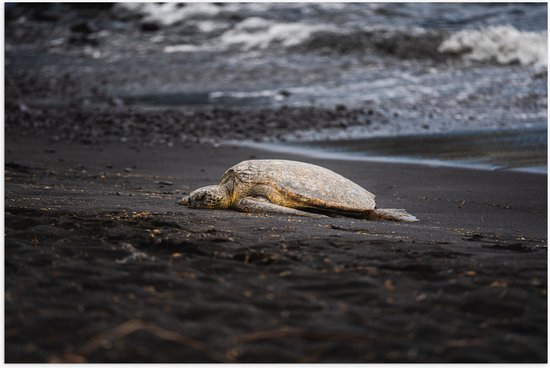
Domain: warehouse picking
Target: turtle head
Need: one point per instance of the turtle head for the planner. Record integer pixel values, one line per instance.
(212, 196)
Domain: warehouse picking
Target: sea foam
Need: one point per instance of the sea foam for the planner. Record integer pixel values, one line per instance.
(167, 14)
(254, 33)
(503, 44)
(261, 33)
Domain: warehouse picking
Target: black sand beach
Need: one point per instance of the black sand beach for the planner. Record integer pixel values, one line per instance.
(103, 265)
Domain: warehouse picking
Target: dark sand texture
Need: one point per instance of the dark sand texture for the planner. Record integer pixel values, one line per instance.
(102, 265)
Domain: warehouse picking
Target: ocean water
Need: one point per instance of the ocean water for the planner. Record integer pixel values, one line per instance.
(454, 82)
(460, 84)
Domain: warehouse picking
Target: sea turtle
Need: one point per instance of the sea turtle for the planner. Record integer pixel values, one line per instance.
(293, 188)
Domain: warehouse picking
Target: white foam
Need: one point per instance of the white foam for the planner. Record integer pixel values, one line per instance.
(254, 7)
(254, 33)
(170, 13)
(252, 94)
(208, 26)
(184, 48)
(259, 33)
(504, 44)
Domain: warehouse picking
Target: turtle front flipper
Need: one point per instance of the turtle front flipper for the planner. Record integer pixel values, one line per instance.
(262, 205)
(391, 214)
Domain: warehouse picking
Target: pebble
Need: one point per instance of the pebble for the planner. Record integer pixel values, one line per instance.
(149, 27)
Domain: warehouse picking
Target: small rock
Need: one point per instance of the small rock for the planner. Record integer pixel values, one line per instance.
(149, 27)
(284, 93)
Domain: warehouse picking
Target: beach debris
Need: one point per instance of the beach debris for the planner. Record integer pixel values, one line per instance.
(150, 289)
(499, 284)
(141, 214)
(107, 337)
(135, 255)
(421, 297)
(290, 188)
(154, 236)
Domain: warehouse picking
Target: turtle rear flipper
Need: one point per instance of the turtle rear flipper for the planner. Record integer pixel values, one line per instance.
(392, 214)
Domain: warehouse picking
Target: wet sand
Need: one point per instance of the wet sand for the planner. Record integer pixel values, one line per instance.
(102, 265)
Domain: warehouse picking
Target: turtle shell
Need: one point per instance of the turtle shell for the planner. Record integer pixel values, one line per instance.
(303, 185)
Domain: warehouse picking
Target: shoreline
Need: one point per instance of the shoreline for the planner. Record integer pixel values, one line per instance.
(283, 147)
(382, 178)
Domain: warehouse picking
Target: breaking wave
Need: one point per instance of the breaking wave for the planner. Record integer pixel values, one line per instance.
(405, 42)
(503, 44)
(259, 33)
(254, 34)
(258, 27)
(168, 14)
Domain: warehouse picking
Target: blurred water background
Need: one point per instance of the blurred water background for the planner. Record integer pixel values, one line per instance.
(459, 84)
